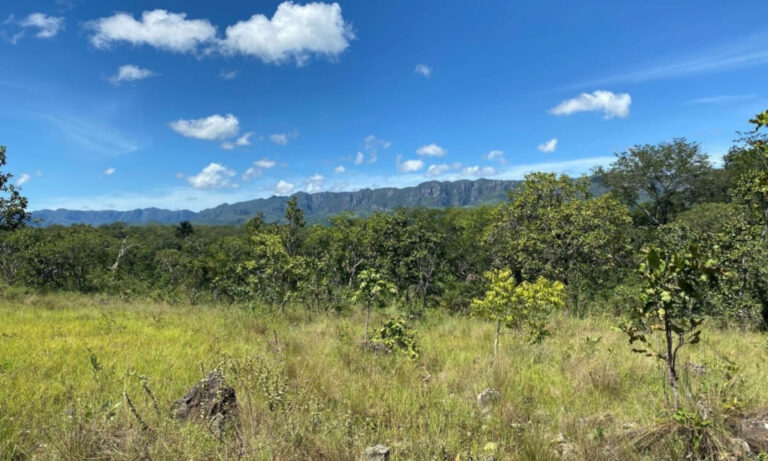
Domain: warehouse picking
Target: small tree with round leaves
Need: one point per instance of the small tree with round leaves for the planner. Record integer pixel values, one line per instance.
(372, 289)
(518, 306)
(673, 306)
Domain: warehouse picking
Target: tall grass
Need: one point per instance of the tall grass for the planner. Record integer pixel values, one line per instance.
(307, 390)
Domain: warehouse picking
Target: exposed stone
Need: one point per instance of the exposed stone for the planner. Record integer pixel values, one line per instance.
(488, 397)
(210, 399)
(377, 453)
(754, 431)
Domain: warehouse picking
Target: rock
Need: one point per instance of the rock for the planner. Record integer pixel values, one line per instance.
(210, 399)
(754, 431)
(488, 397)
(376, 348)
(377, 453)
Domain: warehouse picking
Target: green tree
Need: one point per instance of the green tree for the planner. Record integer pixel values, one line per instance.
(184, 230)
(270, 271)
(527, 305)
(673, 306)
(748, 165)
(13, 207)
(372, 289)
(295, 217)
(554, 228)
(733, 239)
(659, 180)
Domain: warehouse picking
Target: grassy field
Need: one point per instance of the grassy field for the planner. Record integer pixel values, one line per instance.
(307, 390)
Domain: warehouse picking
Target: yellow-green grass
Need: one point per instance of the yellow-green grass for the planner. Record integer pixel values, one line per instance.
(67, 362)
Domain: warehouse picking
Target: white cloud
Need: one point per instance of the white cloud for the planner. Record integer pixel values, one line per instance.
(228, 74)
(23, 179)
(359, 157)
(109, 171)
(227, 145)
(283, 187)
(280, 139)
(479, 171)
(437, 170)
(371, 145)
(158, 28)
(548, 146)
(129, 73)
(423, 69)
(314, 183)
(722, 99)
(495, 155)
(250, 173)
(47, 26)
(244, 140)
(295, 31)
(208, 128)
(255, 170)
(610, 104)
(432, 150)
(409, 166)
(214, 176)
(264, 163)
(340, 169)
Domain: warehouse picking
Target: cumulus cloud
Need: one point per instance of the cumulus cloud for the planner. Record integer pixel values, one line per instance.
(371, 145)
(610, 104)
(157, 28)
(209, 128)
(548, 146)
(314, 183)
(109, 171)
(129, 73)
(264, 163)
(340, 169)
(478, 171)
(255, 171)
(46, 26)
(23, 179)
(431, 150)
(244, 140)
(423, 69)
(214, 176)
(437, 170)
(359, 157)
(283, 187)
(409, 166)
(495, 155)
(295, 32)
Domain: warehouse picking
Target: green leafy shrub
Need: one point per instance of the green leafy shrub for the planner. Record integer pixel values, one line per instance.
(397, 336)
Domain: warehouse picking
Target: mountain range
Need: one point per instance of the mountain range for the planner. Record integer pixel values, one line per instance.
(318, 207)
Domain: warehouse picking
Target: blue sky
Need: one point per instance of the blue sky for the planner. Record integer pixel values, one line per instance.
(189, 104)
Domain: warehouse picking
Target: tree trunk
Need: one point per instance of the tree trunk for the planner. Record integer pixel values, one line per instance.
(496, 339)
(671, 365)
(367, 319)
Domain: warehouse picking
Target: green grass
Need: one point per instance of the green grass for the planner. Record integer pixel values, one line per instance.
(67, 360)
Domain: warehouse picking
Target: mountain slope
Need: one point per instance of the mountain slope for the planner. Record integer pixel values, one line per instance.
(317, 207)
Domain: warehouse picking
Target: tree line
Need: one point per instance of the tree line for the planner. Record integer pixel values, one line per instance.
(587, 235)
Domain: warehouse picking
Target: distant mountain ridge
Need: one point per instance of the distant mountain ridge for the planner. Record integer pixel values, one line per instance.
(318, 207)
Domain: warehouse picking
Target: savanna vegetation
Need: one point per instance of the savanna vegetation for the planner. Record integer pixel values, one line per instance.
(624, 324)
